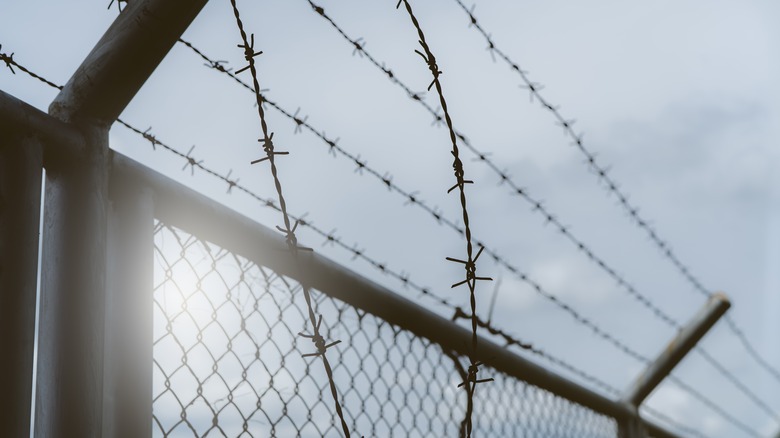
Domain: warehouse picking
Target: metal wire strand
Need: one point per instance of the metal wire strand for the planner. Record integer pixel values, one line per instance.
(460, 183)
(288, 229)
(411, 198)
(550, 218)
(404, 278)
(612, 187)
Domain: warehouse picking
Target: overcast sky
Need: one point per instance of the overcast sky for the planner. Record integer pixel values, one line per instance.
(680, 98)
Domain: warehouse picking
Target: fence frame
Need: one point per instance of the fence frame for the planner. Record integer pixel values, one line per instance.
(71, 143)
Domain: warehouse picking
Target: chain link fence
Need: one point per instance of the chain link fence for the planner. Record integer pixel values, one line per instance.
(227, 362)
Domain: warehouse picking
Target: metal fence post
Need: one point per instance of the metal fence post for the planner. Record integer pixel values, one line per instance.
(73, 281)
(21, 168)
(631, 426)
(129, 330)
(69, 396)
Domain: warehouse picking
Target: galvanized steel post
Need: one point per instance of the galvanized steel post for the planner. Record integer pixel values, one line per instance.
(73, 282)
(69, 397)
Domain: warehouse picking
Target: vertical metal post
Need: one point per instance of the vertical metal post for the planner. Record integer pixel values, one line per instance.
(73, 281)
(631, 426)
(21, 169)
(69, 394)
(129, 330)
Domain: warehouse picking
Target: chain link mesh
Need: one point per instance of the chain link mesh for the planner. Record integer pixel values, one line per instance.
(227, 362)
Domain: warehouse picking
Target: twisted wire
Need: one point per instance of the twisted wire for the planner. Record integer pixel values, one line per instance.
(612, 187)
(537, 205)
(510, 340)
(411, 198)
(289, 229)
(357, 252)
(10, 62)
(191, 162)
(549, 217)
(470, 263)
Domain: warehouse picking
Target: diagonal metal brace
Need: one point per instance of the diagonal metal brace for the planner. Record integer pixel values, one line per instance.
(684, 342)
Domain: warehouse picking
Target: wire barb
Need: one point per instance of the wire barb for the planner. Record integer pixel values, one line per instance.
(470, 263)
(8, 60)
(565, 231)
(288, 230)
(318, 340)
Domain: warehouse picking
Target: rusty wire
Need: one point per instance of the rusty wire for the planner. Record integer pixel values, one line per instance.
(612, 187)
(321, 345)
(404, 278)
(469, 263)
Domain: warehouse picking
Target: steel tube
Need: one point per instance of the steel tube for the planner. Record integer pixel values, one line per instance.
(69, 396)
(59, 139)
(124, 58)
(684, 342)
(73, 282)
(21, 171)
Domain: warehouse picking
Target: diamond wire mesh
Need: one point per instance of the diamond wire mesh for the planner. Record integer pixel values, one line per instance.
(227, 362)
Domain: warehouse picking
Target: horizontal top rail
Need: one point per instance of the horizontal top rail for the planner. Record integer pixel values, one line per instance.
(183, 207)
(19, 117)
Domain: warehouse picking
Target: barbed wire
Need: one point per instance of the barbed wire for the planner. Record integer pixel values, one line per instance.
(511, 340)
(537, 205)
(321, 345)
(412, 198)
(471, 382)
(330, 238)
(10, 62)
(551, 218)
(612, 187)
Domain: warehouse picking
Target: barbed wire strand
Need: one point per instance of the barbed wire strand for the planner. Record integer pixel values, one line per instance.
(330, 238)
(471, 382)
(537, 205)
(549, 217)
(386, 179)
(316, 337)
(459, 313)
(612, 187)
